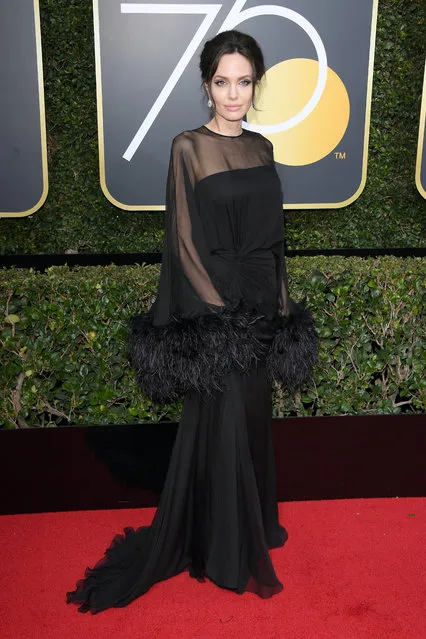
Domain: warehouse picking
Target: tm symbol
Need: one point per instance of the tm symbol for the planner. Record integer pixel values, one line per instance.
(339, 155)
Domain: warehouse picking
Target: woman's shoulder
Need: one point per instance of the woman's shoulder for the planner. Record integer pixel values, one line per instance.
(184, 141)
(261, 139)
(183, 135)
(264, 145)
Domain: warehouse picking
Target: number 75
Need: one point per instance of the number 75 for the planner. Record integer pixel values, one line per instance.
(235, 17)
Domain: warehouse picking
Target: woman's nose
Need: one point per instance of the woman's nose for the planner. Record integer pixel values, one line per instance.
(233, 93)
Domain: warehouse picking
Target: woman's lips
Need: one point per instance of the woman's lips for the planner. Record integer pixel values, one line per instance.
(233, 108)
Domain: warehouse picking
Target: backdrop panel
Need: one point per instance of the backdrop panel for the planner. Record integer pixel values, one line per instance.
(314, 107)
(23, 154)
(421, 150)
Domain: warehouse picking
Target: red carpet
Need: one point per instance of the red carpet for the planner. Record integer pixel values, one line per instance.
(351, 569)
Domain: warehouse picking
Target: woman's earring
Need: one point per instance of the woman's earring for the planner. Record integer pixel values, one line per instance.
(209, 103)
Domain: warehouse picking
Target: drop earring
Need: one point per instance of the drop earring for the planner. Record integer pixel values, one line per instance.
(209, 103)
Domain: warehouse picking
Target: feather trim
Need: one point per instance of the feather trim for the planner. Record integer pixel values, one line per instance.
(294, 349)
(192, 353)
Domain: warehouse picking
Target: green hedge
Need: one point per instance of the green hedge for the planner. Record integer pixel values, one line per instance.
(63, 341)
(76, 215)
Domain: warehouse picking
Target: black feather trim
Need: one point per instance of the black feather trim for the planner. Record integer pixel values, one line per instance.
(294, 350)
(192, 353)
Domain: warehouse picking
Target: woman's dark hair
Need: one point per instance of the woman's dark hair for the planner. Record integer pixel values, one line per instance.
(231, 42)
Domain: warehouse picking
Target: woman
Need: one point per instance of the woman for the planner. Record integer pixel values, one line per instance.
(221, 329)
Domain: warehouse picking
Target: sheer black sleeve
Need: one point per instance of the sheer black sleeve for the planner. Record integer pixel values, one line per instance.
(294, 350)
(185, 285)
(285, 304)
(188, 339)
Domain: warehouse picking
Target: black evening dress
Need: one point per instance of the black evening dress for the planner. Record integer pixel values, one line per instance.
(221, 330)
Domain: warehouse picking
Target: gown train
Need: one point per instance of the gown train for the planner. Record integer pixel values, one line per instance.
(217, 515)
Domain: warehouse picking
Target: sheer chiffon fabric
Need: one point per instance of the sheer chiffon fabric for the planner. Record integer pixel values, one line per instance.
(217, 516)
(221, 330)
(223, 217)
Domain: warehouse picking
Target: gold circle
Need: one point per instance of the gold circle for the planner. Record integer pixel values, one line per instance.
(287, 87)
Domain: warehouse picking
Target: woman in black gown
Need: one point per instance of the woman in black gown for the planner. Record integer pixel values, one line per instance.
(221, 329)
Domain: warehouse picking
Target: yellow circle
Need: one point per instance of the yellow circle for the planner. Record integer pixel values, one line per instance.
(287, 87)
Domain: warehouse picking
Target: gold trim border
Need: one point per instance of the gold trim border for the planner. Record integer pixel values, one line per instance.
(307, 206)
(368, 97)
(42, 120)
(101, 144)
(421, 141)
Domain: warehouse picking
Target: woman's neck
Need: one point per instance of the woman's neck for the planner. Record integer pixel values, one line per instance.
(220, 125)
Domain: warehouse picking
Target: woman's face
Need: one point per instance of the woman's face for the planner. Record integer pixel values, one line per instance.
(231, 88)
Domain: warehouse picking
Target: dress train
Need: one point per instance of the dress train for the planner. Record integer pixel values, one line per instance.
(217, 515)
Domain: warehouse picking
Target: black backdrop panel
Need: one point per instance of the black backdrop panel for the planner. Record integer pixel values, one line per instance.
(95, 467)
(319, 57)
(23, 156)
(421, 153)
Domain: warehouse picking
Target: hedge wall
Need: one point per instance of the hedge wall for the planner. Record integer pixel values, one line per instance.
(389, 213)
(63, 342)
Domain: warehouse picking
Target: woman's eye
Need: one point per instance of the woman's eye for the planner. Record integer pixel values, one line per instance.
(220, 83)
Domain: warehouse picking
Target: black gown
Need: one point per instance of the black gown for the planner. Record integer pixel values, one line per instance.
(221, 330)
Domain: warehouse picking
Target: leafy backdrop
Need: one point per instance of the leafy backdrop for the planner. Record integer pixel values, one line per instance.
(63, 341)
